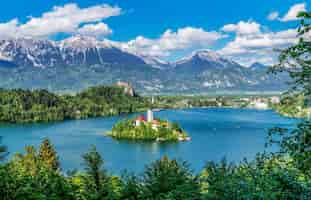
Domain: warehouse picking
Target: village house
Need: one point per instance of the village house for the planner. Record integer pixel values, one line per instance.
(259, 103)
(275, 100)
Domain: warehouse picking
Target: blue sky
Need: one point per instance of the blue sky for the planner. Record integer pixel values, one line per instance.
(239, 29)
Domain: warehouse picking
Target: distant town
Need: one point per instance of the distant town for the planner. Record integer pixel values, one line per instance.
(285, 105)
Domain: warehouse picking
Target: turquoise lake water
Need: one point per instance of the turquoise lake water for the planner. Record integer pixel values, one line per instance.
(215, 132)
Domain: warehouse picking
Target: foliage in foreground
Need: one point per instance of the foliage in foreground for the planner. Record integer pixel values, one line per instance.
(31, 176)
(293, 105)
(296, 59)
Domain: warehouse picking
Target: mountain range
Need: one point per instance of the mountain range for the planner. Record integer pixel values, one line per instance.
(79, 62)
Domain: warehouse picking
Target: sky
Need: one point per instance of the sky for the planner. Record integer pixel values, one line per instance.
(243, 30)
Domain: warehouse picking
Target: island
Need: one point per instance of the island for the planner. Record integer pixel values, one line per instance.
(148, 128)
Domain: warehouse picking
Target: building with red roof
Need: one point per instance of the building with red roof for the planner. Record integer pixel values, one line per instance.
(141, 118)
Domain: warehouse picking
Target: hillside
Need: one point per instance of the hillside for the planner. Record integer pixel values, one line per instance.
(25, 106)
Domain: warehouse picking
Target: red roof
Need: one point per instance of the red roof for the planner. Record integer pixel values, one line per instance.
(141, 118)
(156, 122)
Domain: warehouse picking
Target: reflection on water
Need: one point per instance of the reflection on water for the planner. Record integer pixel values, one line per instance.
(215, 132)
(151, 147)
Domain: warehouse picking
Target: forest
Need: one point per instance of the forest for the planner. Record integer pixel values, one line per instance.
(37, 174)
(25, 106)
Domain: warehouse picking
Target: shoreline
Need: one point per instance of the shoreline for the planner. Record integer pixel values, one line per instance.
(133, 113)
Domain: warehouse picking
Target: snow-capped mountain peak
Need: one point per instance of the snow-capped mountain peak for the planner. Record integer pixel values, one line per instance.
(103, 61)
(77, 50)
(80, 42)
(205, 55)
(30, 52)
(154, 62)
(85, 50)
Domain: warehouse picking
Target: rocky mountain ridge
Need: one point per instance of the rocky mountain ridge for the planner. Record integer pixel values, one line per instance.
(78, 62)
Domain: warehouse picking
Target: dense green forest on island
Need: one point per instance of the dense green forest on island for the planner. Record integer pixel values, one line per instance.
(164, 131)
(283, 175)
(24, 106)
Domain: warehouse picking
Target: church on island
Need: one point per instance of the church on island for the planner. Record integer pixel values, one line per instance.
(146, 126)
(155, 124)
(150, 119)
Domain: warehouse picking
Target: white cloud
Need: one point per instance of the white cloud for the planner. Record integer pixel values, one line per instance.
(186, 37)
(73, 20)
(8, 29)
(242, 28)
(259, 47)
(62, 19)
(252, 43)
(96, 30)
(273, 15)
(169, 41)
(291, 14)
(293, 11)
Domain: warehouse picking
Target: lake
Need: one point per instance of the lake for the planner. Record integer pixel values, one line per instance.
(215, 132)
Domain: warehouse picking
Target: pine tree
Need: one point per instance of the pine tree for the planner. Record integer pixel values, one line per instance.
(131, 187)
(48, 155)
(169, 179)
(93, 166)
(97, 180)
